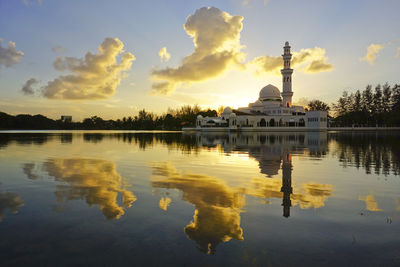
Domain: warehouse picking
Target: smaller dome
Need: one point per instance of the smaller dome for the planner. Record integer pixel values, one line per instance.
(258, 103)
(199, 117)
(287, 43)
(227, 110)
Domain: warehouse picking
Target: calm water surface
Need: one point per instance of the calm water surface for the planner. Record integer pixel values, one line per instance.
(262, 199)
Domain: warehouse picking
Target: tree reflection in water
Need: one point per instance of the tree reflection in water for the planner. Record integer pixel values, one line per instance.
(377, 152)
(373, 151)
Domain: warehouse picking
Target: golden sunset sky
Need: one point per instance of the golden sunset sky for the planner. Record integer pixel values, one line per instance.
(113, 58)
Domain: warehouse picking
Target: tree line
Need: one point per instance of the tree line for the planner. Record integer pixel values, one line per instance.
(367, 108)
(174, 119)
(370, 107)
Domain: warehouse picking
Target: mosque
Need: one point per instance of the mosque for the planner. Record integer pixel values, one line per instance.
(272, 111)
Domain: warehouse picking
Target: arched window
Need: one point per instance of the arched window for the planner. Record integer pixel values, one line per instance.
(271, 122)
(263, 123)
(302, 123)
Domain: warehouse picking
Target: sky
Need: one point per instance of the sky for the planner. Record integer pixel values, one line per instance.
(114, 58)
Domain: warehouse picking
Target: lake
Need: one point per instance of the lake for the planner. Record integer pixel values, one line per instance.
(157, 198)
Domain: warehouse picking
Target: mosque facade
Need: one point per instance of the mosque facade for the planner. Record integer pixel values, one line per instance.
(273, 110)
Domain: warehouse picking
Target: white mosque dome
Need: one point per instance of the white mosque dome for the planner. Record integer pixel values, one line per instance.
(227, 110)
(270, 92)
(199, 117)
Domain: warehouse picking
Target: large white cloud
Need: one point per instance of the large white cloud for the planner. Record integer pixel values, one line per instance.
(313, 60)
(96, 76)
(216, 39)
(372, 53)
(9, 56)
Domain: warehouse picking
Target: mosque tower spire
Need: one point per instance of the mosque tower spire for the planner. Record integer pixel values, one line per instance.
(287, 77)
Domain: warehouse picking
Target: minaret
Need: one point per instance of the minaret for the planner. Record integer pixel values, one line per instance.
(286, 183)
(287, 77)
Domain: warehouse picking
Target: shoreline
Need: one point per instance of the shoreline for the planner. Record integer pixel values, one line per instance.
(186, 130)
(291, 129)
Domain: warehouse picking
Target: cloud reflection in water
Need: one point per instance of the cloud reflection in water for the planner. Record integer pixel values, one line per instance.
(370, 203)
(217, 206)
(95, 180)
(9, 201)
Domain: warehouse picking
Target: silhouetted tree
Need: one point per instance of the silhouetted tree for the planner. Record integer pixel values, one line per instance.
(318, 105)
(367, 99)
(357, 101)
(386, 98)
(396, 98)
(377, 101)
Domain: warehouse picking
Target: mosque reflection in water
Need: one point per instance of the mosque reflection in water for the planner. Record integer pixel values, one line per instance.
(218, 206)
(273, 152)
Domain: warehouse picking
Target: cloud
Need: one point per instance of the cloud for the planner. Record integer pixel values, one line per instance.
(27, 89)
(310, 195)
(164, 203)
(313, 59)
(372, 53)
(247, 2)
(398, 52)
(9, 56)
(96, 76)
(216, 217)
(370, 202)
(9, 201)
(28, 2)
(58, 49)
(216, 39)
(164, 55)
(28, 169)
(95, 180)
(302, 101)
